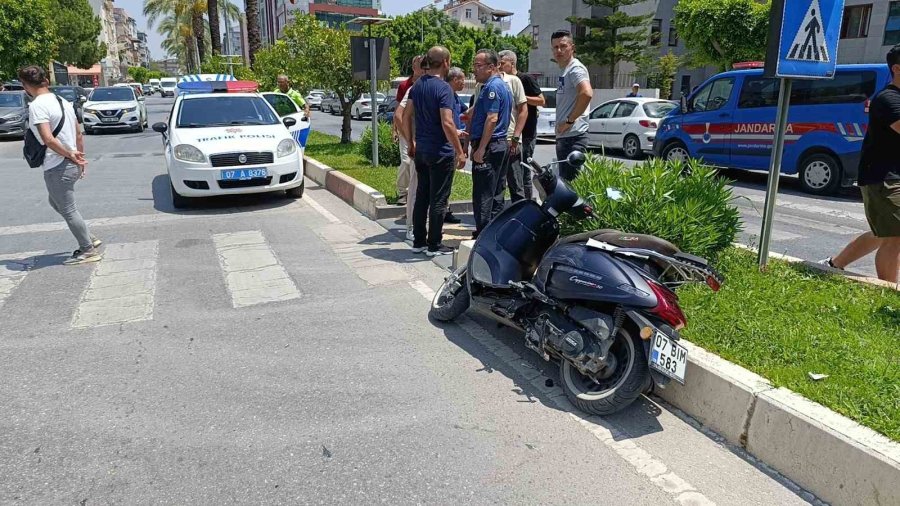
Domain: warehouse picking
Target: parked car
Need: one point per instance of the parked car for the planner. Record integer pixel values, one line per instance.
(729, 122)
(362, 108)
(314, 99)
(74, 94)
(331, 104)
(146, 89)
(546, 124)
(13, 86)
(13, 113)
(628, 124)
(387, 114)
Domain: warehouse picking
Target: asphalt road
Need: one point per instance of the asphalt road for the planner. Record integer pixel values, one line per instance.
(270, 351)
(806, 227)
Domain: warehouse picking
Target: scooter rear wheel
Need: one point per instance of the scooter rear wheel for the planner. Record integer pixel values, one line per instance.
(619, 389)
(452, 298)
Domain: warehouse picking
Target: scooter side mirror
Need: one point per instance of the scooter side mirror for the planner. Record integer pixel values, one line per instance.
(576, 159)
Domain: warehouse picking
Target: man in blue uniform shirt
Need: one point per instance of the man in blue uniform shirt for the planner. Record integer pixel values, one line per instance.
(490, 122)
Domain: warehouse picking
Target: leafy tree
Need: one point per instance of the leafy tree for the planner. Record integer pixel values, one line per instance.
(218, 64)
(313, 55)
(722, 32)
(613, 38)
(79, 30)
(660, 70)
(27, 35)
(139, 74)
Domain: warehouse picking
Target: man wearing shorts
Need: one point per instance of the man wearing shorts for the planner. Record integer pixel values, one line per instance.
(879, 182)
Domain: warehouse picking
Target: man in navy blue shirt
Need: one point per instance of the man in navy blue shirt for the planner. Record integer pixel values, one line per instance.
(490, 121)
(435, 148)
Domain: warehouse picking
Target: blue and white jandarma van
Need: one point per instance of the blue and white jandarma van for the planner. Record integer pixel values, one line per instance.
(729, 121)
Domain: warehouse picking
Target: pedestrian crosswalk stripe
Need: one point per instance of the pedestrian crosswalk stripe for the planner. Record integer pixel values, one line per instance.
(122, 286)
(13, 269)
(252, 272)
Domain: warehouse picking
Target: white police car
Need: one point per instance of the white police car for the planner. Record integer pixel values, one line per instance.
(223, 138)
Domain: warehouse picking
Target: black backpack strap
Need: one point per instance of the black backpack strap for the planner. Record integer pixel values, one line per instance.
(62, 121)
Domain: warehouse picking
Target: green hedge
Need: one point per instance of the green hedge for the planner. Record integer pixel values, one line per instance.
(690, 208)
(388, 149)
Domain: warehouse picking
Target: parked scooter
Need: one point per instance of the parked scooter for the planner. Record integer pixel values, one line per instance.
(601, 302)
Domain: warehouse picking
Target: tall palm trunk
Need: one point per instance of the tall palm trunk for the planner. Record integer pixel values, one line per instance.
(252, 9)
(215, 38)
(197, 26)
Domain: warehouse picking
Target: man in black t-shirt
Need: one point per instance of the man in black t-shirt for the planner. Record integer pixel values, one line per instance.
(879, 182)
(519, 175)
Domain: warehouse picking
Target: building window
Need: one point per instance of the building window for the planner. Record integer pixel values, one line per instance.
(892, 27)
(535, 32)
(855, 24)
(673, 34)
(468, 13)
(655, 32)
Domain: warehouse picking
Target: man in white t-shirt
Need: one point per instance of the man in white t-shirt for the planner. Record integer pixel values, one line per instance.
(64, 163)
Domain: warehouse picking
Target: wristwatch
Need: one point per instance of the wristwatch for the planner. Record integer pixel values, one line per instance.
(570, 122)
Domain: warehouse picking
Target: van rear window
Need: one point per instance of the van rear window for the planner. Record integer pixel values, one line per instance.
(846, 88)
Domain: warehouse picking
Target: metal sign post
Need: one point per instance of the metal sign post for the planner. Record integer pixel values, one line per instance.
(373, 77)
(803, 44)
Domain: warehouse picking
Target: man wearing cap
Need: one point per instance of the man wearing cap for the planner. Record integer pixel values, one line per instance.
(635, 91)
(284, 86)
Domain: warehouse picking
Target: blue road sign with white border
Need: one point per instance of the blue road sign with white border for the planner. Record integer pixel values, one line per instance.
(810, 30)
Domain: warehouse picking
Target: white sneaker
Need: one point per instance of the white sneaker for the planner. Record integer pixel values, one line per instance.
(827, 263)
(409, 234)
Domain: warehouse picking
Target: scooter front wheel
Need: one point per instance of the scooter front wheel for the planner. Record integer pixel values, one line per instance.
(452, 298)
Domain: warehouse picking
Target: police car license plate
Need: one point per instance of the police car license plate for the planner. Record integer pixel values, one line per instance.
(668, 357)
(243, 174)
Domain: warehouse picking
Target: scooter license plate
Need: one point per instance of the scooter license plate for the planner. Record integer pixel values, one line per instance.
(668, 357)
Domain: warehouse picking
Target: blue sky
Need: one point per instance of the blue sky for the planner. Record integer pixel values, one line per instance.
(389, 7)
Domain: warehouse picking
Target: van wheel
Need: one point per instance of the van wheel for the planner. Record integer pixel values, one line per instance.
(632, 147)
(676, 152)
(820, 174)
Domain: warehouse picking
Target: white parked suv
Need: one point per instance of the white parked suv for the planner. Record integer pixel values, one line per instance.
(115, 107)
(229, 143)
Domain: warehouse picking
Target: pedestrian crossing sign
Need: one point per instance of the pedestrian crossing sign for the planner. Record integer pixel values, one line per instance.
(810, 30)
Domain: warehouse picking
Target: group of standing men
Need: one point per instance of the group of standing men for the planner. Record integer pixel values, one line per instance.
(437, 131)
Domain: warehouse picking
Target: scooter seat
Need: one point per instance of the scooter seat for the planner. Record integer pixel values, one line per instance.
(625, 240)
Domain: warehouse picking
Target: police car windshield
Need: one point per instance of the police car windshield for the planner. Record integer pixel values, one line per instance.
(225, 111)
(118, 94)
(658, 109)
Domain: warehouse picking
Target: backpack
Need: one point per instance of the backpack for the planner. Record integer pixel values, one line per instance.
(33, 150)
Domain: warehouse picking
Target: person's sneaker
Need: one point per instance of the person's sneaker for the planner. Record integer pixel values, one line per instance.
(827, 263)
(409, 234)
(419, 249)
(96, 243)
(83, 257)
(440, 250)
(449, 218)
(401, 201)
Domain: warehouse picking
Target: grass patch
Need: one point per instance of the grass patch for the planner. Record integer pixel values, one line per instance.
(794, 320)
(346, 158)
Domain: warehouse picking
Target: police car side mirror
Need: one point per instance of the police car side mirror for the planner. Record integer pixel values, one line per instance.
(289, 122)
(160, 127)
(305, 119)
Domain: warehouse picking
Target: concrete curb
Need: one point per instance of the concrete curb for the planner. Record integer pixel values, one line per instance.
(362, 197)
(839, 460)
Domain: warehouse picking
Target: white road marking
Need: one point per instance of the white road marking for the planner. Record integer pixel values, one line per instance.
(252, 272)
(809, 208)
(420, 286)
(321, 210)
(13, 269)
(122, 286)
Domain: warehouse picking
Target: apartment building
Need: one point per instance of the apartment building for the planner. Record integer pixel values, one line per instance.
(475, 14)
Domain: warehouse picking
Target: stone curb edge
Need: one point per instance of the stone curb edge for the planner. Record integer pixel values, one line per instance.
(839, 460)
(360, 196)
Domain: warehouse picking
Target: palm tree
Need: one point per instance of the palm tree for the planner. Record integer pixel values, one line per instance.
(212, 13)
(194, 9)
(251, 7)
